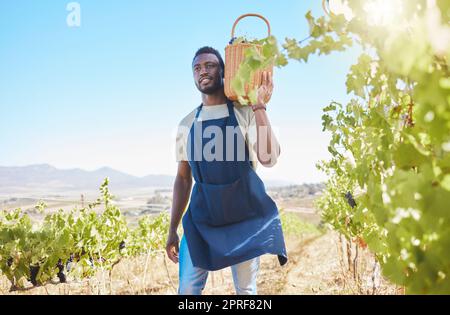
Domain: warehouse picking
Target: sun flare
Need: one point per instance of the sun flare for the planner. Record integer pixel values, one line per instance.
(383, 12)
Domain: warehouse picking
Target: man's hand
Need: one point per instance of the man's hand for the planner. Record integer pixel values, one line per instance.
(266, 89)
(172, 247)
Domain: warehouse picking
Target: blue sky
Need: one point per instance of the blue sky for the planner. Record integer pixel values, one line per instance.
(112, 91)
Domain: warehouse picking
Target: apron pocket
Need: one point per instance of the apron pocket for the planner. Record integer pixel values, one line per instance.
(219, 205)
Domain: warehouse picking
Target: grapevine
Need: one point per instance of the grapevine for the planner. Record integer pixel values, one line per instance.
(389, 172)
(78, 243)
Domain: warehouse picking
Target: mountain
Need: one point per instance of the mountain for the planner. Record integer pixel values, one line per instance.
(44, 175)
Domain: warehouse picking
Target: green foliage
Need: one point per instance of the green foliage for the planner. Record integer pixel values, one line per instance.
(293, 226)
(271, 55)
(255, 59)
(389, 148)
(390, 145)
(150, 235)
(81, 240)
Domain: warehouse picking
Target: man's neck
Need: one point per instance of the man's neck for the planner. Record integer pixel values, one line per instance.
(218, 98)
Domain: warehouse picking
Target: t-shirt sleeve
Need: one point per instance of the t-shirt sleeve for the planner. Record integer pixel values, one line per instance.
(180, 145)
(183, 130)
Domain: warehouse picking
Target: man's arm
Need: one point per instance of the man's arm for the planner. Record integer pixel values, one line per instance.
(181, 192)
(267, 146)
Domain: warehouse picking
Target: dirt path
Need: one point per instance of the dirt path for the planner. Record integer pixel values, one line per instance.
(313, 268)
(313, 265)
(312, 262)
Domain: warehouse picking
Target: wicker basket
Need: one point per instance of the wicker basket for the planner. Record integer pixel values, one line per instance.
(234, 55)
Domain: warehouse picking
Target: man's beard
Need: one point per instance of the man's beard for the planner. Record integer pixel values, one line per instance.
(217, 85)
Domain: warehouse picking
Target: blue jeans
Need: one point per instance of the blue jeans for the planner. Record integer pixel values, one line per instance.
(193, 279)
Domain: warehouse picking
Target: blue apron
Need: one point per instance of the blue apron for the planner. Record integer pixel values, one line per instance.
(230, 218)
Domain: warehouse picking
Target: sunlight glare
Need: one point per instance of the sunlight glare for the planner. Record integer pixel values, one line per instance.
(383, 12)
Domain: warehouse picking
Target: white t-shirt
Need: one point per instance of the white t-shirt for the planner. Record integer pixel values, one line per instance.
(245, 118)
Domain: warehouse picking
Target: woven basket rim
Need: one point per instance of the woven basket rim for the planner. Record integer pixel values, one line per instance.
(244, 44)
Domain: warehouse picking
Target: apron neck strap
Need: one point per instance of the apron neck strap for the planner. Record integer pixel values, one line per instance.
(231, 109)
(199, 109)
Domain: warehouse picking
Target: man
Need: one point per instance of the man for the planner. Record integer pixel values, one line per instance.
(231, 220)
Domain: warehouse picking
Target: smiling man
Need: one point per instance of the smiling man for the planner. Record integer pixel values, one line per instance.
(230, 220)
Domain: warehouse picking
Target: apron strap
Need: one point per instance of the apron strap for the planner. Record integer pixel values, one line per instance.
(196, 174)
(245, 165)
(198, 111)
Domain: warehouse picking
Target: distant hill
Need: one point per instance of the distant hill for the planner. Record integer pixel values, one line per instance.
(47, 176)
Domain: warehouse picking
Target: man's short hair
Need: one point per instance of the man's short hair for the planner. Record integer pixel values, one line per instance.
(210, 50)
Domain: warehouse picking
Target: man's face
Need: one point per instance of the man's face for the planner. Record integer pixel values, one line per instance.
(207, 73)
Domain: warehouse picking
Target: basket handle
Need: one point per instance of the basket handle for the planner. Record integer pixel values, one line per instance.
(247, 15)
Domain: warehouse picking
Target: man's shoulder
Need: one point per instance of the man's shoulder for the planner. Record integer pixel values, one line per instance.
(243, 111)
(188, 119)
